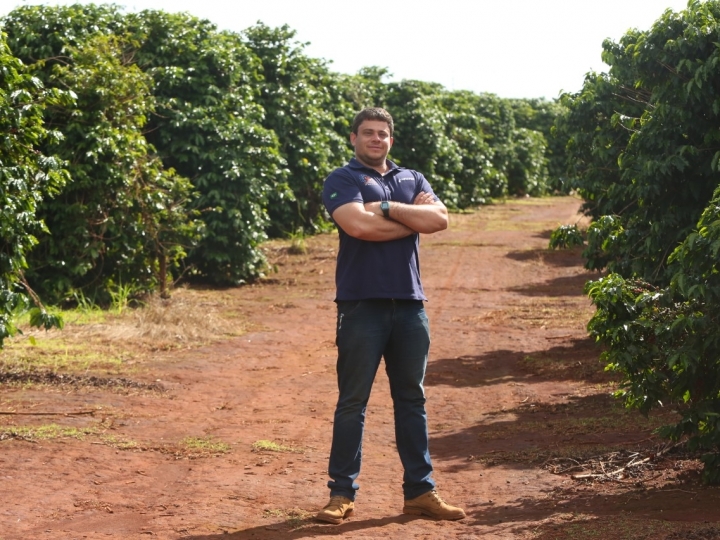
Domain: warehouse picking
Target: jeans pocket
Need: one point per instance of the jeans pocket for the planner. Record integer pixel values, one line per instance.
(344, 309)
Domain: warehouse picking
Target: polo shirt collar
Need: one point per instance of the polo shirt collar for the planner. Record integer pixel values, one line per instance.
(355, 164)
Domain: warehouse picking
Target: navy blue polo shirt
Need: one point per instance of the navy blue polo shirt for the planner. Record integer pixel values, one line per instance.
(368, 269)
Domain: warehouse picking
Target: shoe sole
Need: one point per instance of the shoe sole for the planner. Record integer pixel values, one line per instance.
(412, 510)
(335, 521)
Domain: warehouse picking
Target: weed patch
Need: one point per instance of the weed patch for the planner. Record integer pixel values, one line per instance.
(119, 443)
(44, 433)
(294, 518)
(270, 446)
(187, 448)
(196, 447)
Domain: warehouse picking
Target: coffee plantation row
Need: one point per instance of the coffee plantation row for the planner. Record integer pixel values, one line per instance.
(644, 151)
(150, 146)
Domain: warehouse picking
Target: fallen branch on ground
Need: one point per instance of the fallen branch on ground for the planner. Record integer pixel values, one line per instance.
(613, 466)
(72, 413)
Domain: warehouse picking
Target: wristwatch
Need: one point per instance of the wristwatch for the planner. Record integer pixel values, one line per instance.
(385, 207)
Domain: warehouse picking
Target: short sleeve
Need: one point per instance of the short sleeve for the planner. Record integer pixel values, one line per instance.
(423, 185)
(340, 188)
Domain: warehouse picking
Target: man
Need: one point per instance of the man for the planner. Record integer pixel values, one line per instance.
(379, 209)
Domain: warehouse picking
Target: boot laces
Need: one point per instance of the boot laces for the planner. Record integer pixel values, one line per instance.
(437, 498)
(336, 500)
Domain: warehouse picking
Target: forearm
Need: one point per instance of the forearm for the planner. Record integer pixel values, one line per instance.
(375, 228)
(364, 224)
(423, 218)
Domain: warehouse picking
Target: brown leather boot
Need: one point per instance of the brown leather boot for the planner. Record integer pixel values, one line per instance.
(430, 504)
(336, 510)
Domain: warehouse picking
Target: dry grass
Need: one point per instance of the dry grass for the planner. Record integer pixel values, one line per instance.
(293, 518)
(184, 318)
(94, 340)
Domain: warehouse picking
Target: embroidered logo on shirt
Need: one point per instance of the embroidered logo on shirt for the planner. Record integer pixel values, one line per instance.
(334, 195)
(406, 179)
(368, 180)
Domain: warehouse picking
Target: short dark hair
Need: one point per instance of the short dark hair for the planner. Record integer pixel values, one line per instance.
(372, 113)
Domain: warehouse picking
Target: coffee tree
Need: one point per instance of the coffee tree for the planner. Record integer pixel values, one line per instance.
(664, 340)
(27, 177)
(476, 176)
(643, 148)
(527, 170)
(539, 115)
(208, 127)
(305, 109)
(641, 142)
(421, 133)
(200, 120)
(367, 88)
(121, 218)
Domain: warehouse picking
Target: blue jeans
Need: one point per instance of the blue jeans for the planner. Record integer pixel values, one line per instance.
(368, 330)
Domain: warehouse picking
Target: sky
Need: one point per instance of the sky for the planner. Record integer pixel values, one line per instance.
(512, 48)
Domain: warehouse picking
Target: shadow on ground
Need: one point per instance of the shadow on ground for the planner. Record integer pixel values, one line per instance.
(633, 514)
(550, 257)
(561, 286)
(577, 361)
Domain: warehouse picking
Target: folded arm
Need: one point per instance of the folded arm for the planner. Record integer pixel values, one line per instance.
(357, 221)
(425, 215)
(366, 221)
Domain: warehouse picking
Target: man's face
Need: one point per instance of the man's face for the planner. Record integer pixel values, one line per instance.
(372, 142)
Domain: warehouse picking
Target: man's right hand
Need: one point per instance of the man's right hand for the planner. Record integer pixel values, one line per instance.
(424, 198)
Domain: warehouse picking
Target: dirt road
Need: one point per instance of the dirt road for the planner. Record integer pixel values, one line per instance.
(235, 445)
